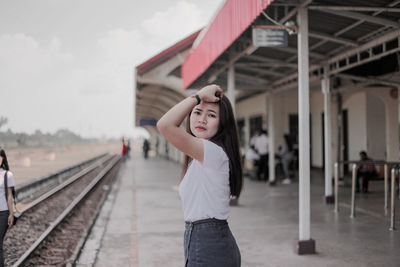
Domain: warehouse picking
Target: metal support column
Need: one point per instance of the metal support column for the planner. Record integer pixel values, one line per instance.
(328, 137)
(305, 244)
(246, 133)
(339, 133)
(271, 139)
(231, 87)
(398, 116)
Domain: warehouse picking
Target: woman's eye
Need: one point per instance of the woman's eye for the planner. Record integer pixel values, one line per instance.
(212, 116)
(197, 112)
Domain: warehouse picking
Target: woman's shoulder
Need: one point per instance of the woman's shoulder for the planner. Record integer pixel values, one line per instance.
(214, 151)
(9, 173)
(212, 145)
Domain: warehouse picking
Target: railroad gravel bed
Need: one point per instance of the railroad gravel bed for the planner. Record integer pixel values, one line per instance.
(58, 248)
(36, 220)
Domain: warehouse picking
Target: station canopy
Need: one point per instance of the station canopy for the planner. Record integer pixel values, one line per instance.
(356, 41)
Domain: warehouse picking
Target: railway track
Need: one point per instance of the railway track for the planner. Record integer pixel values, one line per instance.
(53, 227)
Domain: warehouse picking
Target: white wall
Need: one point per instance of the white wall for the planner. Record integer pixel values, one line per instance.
(391, 121)
(376, 127)
(246, 109)
(357, 130)
(285, 103)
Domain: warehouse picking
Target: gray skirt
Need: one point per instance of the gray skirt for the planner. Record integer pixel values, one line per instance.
(209, 243)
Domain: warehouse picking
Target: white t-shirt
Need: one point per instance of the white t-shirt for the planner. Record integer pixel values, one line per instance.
(261, 144)
(10, 183)
(205, 190)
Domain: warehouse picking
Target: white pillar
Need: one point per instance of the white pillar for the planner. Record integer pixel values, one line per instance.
(398, 117)
(231, 87)
(328, 137)
(247, 133)
(271, 138)
(305, 244)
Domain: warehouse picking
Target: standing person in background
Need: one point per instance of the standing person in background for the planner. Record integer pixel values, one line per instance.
(212, 174)
(128, 147)
(146, 148)
(124, 148)
(6, 201)
(261, 146)
(286, 156)
(157, 145)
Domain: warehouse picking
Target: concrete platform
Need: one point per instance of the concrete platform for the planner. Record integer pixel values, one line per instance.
(145, 223)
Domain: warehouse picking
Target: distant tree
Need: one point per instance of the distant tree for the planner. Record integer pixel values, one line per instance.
(3, 121)
(21, 139)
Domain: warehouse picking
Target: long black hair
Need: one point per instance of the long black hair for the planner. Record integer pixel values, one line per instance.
(227, 138)
(4, 164)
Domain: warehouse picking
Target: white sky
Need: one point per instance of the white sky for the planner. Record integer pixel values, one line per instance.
(69, 63)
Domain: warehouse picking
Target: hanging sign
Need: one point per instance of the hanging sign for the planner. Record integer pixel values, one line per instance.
(147, 122)
(270, 37)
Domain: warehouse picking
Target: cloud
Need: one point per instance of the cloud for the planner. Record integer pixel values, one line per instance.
(89, 91)
(25, 63)
(175, 23)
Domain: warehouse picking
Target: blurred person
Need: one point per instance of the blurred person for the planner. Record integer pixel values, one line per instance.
(146, 148)
(157, 145)
(261, 146)
(128, 147)
(211, 174)
(6, 201)
(124, 147)
(286, 157)
(364, 171)
(251, 159)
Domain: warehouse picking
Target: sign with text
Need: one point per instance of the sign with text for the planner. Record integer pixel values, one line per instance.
(147, 122)
(270, 37)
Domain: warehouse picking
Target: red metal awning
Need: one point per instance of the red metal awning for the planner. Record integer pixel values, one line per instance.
(231, 21)
(167, 53)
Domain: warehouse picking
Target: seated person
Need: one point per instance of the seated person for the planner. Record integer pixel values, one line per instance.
(366, 171)
(251, 158)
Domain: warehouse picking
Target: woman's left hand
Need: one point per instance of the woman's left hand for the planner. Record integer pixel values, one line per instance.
(211, 93)
(10, 220)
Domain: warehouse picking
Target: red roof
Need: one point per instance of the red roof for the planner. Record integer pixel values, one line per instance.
(231, 21)
(167, 53)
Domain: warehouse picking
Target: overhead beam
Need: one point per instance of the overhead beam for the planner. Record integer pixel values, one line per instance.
(373, 33)
(356, 8)
(342, 61)
(294, 11)
(369, 79)
(359, 16)
(331, 38)
(251, 79)
(268, 60)
(293, 50)
(351, 26)
(266, 64)
(161, 92)
(233, 58)
(262, 71)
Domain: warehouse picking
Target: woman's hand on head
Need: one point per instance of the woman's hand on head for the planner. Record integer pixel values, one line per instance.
(211, 93)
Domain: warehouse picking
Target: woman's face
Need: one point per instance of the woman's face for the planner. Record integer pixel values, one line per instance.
(204, 120)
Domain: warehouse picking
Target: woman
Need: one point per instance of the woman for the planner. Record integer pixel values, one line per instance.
(6, 207)
(212, 174)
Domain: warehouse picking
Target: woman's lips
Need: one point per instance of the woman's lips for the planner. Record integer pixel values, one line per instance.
(200, 128)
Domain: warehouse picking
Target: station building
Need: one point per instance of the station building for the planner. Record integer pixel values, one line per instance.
(332, 81)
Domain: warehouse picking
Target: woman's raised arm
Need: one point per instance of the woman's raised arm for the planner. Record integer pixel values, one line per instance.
(169, 124)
